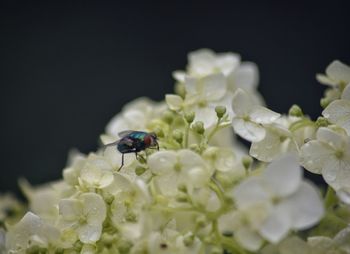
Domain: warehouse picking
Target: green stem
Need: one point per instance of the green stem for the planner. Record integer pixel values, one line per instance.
(187, 131)
(216, 128)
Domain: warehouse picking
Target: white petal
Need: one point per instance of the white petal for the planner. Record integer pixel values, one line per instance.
(334, 139)
(70, 209)
(304, 206)
(249, 192)
(179, 76)
(162, 162)
(189, 159)
(167, 183)
(263, 115)
(207, 115)
(283, 176)
(346, 93)
(276, 226)
(89, 233)
(191, 85)
(246, 76)
(323, 79)
(338, 71)
(198, 177)
(248, 130)
(313, 155)
(214, 86)
(225, 160)
(94, 208)
(336, 172)
(174, 102)
(241, 103)
(338, 112)
(249, 239)
(227, 62)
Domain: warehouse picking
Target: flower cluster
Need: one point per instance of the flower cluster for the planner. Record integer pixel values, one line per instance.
(202, 192)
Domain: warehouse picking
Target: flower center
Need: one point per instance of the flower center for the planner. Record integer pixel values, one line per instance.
(339, 154)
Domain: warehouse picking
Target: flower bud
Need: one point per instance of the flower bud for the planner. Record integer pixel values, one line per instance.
(181, 197)
(139, 170)
(198, 127)
(220, 111)
(182, 187)
(195, 148)
(324, 102)
(295, 110)
(168, 117)
(201, 222)
(159, 132)
(321, 122)
(178, 136)
(247, 161)
(180, 89)
(189, 116)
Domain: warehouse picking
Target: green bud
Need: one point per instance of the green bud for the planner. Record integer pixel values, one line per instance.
(321, 122)
(295, 110)
(180, 89)
(168, 117)
(178, 136)
(201, 222)
(181, 197)
(130, 216)
(139, 170)
(220, 111)
(195, 148)
(247, 161)
(188, 239)
(198, 127)
(159, 132)
(189, 116)
(182, 187)
(324, 102)
(141, 159)
(124, 246)
(216, 250)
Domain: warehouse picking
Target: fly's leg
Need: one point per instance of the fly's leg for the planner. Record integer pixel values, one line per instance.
(122, 162)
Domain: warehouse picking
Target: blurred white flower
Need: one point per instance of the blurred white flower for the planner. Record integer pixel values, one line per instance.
(136, 115)
(338, 111)
(249, 117)
(280, 201)
(8, 203)
(31, 231)
(174, 168)
(337, 73)
(328, 155)
(85, 215)
(277, 141)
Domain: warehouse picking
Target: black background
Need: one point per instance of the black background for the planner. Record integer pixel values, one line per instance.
(67, 68)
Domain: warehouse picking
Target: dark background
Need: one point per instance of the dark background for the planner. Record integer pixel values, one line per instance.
(67, 68)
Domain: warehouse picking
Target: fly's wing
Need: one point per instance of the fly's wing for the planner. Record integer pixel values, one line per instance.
(123, 134)
(112, 144)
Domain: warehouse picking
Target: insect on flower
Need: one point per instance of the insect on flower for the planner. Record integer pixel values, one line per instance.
(134, 142)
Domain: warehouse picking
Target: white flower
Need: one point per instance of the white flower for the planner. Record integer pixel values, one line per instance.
(173, 168)
(280, 200)
(249, 117)
(329, 155)
(204, 94)
(204, 62)
(136, 115)
(277, 141)
(96, 173)
(338, 111)
(30, 231)
(337, 73)
(85, 215)
(8, 203)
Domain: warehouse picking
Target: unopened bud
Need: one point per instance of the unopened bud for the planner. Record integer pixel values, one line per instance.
(178, 136)
(180, 89)
(181, 197)
(198, 127)
(247, 161)
(322, 122)
(139, 170)
(295, 110)
(189, 116)
(188, 239)
(168, 117)
(220, 111)
(324, 102)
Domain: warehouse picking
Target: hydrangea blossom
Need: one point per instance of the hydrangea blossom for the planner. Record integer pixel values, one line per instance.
(202, 192)
(249, 117)
(328, 155)
(284, 200)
